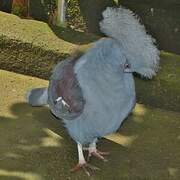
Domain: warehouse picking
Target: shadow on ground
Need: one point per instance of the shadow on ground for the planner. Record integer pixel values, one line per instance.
(34, 145)
(72, 36)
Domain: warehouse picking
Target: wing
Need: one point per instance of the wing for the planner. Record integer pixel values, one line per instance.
(65, 96)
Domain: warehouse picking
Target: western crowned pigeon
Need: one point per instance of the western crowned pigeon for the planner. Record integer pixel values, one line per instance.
(95, 92)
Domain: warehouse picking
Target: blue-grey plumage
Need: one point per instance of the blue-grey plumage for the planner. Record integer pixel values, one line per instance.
(108, 91)
(37, 96)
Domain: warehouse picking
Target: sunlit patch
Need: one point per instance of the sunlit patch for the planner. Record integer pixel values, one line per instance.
(125, 141)
(21, 175)
(53, 139)
(166, 53)
(7, 115)
(178, 137)
(28, 147)
(173, 172)
(12, 155)
(29, 114)
(139, 112)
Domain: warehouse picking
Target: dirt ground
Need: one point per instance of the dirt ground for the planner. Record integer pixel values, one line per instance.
(35, 146)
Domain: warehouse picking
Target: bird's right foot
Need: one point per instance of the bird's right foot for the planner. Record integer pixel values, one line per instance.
(84, 166)
(98, 154)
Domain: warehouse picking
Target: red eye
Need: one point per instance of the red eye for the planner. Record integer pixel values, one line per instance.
(126, 65)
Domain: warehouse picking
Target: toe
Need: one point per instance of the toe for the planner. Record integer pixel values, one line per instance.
(98, 155)
(77, 167)
(84, 166)
(103, 153)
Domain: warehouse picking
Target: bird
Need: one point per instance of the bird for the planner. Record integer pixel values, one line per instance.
(95, 92)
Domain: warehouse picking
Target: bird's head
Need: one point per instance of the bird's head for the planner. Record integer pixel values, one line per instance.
(138, 46)
(112, 56)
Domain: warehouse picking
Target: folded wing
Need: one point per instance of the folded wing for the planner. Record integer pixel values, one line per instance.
(64, 93)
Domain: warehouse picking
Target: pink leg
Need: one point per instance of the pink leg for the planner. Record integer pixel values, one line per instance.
(94, 152)
(82, 163)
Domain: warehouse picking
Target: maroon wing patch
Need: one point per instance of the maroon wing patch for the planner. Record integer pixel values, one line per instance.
(65, 85)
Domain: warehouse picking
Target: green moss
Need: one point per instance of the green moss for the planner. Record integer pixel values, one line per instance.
(27, 59)
(92, 12)
(74, 16)
(19, 10)
(33, 48)
(33, 32)
(164, 90)
(75, 37)
(85, 15)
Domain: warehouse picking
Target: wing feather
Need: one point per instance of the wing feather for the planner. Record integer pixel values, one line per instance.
(65, 96)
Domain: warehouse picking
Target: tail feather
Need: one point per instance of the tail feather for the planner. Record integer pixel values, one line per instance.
(37, 97)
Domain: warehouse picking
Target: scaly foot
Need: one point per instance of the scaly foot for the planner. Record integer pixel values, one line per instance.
(98, 154)
(84, 166)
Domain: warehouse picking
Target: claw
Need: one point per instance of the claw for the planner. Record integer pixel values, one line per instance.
(98, 154)
(103, 153)
(84, 166)
(82, 162)
(94, 152)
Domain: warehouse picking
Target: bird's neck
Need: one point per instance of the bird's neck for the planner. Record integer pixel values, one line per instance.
(129, 83)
